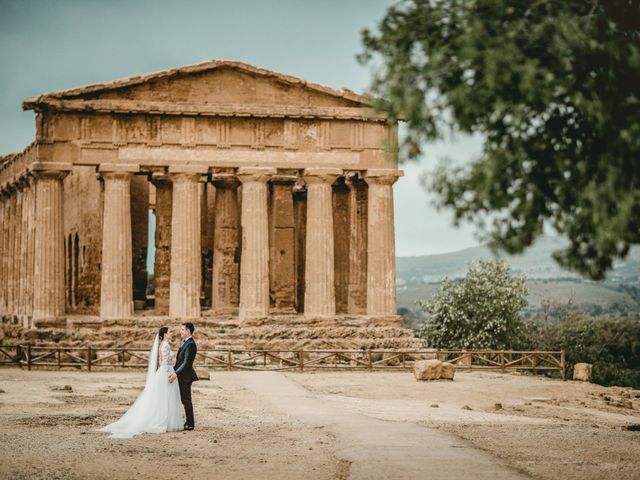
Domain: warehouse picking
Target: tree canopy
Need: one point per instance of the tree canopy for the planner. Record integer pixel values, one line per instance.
(553, 86)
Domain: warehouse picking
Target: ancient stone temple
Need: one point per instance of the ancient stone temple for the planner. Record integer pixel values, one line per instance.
(271, 200)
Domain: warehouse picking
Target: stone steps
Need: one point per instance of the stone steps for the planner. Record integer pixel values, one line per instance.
(286, 332)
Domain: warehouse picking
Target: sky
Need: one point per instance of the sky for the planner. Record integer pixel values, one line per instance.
(47, 46)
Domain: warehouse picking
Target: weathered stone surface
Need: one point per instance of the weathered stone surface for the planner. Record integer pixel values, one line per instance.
(582, 372)
(341, 241)
(427, 369)
(320, 295)
(282, 285)
(275, 332)
(162, 260)
(448, 371)
(381, 263)
(226, 246)
(83, 219)
(430, 354)
(184, 287)
(357, 290)
(254, 269)
(116, 297)
(49, 299)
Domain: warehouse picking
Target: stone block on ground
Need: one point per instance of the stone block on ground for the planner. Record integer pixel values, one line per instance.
(202, 374)
(448, 371)
(427, 369)
(582, 372)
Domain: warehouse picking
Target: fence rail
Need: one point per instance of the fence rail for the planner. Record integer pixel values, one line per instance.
(90, 358)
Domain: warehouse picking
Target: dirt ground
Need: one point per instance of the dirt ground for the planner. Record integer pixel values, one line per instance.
(544, 428)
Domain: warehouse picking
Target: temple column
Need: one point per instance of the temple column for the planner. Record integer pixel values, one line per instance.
(24, 245)
(254, 263)
(225, 283)
(184, 286)
(116, 289)
(48, 301)
(3, 249)
(30, 242)
(12, 237)
(319, 296)
(17, 251)
(18, 275)
(381, 256)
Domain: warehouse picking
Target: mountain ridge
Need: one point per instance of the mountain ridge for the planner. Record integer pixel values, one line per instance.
(536, 263)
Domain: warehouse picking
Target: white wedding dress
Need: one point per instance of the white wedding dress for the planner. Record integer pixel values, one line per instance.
(158, 408)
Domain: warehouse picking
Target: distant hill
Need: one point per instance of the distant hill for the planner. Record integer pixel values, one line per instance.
(420, 276)
(536, 263)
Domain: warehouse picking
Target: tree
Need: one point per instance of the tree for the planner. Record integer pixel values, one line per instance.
(480, 311)
(553, 86)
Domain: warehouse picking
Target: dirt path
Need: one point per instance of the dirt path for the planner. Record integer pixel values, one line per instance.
(380, 449)
(547, 428)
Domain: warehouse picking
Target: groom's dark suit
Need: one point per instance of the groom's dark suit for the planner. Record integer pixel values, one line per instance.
(186, 376)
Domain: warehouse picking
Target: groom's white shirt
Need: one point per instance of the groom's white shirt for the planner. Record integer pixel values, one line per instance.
(185, 340)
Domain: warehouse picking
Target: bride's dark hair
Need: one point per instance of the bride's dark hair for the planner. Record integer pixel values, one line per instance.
(162, 331)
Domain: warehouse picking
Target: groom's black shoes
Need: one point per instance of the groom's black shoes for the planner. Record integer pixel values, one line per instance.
(188, 427)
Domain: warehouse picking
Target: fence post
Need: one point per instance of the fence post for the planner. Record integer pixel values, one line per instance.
(229, 360)
(370, 361)
(563, 365)
(59, 352)
(502, 361)
(534, 362)
(89, 358)
(301, 360)
(19, 355)
(29, 357)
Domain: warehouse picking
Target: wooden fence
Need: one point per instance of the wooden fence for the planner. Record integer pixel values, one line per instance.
(91, 358)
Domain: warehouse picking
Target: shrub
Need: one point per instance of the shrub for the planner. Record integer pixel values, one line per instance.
(612, 345)
(482, 310)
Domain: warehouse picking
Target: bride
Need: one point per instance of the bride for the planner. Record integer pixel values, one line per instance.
(158, 408)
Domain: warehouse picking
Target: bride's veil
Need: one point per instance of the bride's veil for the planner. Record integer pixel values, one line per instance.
(129, 423)
(153, 362)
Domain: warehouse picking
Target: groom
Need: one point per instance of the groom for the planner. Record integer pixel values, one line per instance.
(184, 371)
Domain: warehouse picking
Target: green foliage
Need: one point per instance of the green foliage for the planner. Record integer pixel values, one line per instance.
(553, 87)
(612, 345)
(480, 311)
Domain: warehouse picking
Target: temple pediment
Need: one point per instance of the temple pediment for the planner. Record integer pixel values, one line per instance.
(218, 114)
(203, 86)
